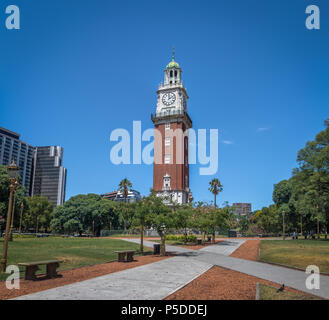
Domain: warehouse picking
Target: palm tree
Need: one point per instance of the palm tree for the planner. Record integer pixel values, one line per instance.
(124, 186)
(215, 188)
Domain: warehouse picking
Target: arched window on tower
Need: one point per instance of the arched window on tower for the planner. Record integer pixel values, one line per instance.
(171, 74)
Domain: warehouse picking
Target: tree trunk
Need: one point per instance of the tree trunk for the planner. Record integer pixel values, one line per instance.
(203, 236)
(185, 236)
(124, 226)
(215, 201)
(142, 239)
(301, 226)
(214, 236)
(318, 227)
(162, 243)
(37, 226)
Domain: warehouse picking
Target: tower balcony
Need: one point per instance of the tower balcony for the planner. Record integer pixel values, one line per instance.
(178, 84)
(171, 114)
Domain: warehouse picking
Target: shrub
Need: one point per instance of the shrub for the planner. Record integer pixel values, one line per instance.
(181, 238)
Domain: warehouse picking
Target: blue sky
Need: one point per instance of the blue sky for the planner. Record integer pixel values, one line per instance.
(79, 69)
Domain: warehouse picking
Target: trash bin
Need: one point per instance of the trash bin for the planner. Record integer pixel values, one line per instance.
(156, 249)
(199, 241)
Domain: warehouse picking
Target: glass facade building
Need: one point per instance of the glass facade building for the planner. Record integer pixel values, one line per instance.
(11, 147)
(41, 170)
(49, 174)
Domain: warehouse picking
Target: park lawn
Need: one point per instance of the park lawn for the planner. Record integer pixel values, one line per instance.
(75, 252)
(267, 292)
(296, 253)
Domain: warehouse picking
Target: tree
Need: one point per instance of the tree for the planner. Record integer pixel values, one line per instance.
(140, 218)
(86, 209)
(124, 186)
(311, 178)
(72, 226)
(4, 194)
(215, 188)
(200, 218)
(282, 192)
(182, 219)
(244, 223)
(268, 219)
(40, 211)
(160, 218)
(126, 212)
(217, 218)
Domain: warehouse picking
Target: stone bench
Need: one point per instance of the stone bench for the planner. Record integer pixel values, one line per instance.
(125, 256)
(32, 267)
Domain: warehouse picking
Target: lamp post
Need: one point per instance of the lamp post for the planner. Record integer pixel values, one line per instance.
(13, 179)
(12, 219)
(283, 225)
(21, 218)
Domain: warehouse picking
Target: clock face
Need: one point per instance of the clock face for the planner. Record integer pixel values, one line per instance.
(168, 98)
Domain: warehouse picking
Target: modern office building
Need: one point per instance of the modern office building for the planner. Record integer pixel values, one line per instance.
(133, 196)
(11, 147)
(41, 170)
(49, 174)
(242, 209)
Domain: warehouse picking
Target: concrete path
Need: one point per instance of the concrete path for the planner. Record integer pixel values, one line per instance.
(160, 279)
(212, 255)
(226, 247)
(154, 281)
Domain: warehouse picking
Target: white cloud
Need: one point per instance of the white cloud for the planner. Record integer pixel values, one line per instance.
(262, 129)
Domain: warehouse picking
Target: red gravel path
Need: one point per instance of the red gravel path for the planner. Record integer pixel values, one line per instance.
(222, 284)
(248, 250)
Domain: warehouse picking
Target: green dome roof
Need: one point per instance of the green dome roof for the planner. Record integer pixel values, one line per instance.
(173, 64)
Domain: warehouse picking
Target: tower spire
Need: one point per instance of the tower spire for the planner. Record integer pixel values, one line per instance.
(173, 54)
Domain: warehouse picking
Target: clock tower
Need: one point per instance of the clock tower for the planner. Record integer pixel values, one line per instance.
(171, 124)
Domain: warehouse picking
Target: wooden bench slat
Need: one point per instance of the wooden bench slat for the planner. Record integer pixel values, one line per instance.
(24, 264)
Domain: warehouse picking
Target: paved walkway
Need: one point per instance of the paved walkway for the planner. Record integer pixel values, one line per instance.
(158, 280)
(154, 281)
(212, 255)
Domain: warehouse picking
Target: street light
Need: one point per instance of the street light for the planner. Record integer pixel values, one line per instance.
(13, 180)
(12, 219)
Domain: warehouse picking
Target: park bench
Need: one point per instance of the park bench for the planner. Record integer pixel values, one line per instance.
(32, 267)
(125, 256)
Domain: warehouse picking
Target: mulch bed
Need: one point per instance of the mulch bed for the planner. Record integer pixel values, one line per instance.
(74, 275)
(222, 284)
(248, 250)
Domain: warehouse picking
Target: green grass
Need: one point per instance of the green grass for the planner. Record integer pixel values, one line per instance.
(75, 252)
(296, 253)
(267, 292)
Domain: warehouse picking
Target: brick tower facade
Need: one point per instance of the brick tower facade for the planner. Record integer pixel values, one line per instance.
(171, 124)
